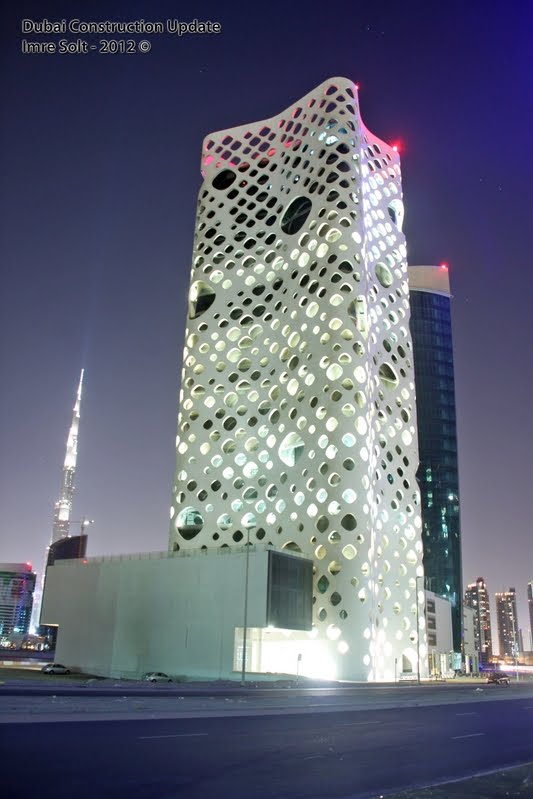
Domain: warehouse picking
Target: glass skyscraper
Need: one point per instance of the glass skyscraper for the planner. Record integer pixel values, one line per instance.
(507, 623)
(477, 598)
(438, 474)
(17, 582)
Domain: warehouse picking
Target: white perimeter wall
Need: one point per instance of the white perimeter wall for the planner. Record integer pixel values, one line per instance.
(469, 645)
(443, 610)
(444, 635)
(176, 614)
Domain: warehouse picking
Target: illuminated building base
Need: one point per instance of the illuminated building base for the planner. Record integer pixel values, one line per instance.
(183, 614)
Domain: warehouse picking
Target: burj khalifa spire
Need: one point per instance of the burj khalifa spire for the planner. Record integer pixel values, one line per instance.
(63, 506)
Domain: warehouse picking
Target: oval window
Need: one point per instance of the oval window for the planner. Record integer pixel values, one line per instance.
(295, 215)
(384, 275)
(224, 179)
(201, 297)
(189, 523)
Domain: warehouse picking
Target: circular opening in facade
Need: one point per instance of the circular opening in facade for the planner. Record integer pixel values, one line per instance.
(201, 297)
(384, 275)
(224, 179)
(189, 522)
(224, 521)
(295, 215)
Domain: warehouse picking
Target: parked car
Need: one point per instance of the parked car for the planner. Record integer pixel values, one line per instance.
(55, 668)
(498, 677)
(157, 676)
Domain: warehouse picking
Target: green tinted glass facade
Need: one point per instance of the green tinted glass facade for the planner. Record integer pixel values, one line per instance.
(437, 440)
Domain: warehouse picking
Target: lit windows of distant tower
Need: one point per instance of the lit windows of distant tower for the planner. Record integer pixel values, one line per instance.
(507, 623)
(477, 597)
(17, 582)
(438, 476)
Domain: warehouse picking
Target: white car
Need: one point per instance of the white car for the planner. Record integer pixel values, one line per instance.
(157, 676)
(55, 668)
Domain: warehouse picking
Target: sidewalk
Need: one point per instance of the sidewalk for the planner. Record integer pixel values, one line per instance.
(514, 783)
(186, 701)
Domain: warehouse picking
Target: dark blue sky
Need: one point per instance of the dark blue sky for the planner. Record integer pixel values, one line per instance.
(100, 173)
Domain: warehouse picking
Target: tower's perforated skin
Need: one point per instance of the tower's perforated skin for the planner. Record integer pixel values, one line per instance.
(297, 408)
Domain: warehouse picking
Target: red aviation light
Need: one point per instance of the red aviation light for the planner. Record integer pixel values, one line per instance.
(444, 266)
(398, 146)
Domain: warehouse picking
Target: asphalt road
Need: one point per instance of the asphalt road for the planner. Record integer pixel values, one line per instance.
(364, 753)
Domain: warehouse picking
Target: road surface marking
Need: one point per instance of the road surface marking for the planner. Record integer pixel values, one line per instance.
(360, 723)
(174, 735)
(472, 735)
(473, 713)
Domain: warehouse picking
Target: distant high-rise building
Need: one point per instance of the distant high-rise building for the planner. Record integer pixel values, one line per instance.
(75, 546)
(530, 608)
(63, 506)
(507, 623)
(477, 597)
(71, 548)
(438, 472)
(17, 581)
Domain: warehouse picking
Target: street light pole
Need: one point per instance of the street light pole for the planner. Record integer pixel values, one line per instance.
(420, 577)
(245, 625)
(515, 645)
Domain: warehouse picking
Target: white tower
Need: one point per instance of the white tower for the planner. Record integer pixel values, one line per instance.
(63, 507)
(297, 421)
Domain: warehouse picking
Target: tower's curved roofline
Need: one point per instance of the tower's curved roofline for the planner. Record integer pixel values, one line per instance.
(213, 151)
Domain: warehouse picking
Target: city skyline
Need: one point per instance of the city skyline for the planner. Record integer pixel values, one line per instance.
(101, 281)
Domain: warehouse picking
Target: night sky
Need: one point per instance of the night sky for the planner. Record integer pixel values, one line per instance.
(100, 175)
